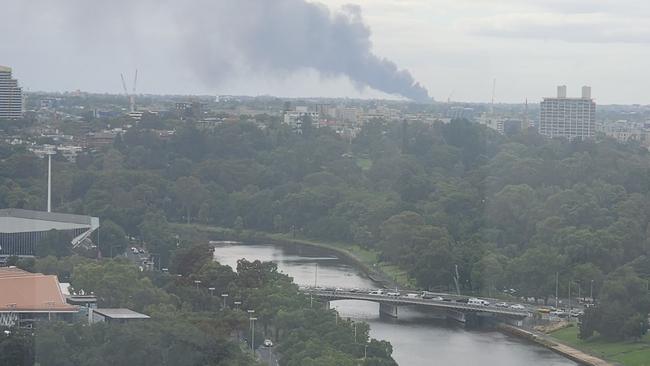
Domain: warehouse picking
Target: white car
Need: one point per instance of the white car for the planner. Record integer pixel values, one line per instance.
(517, 307)
(268, 343)
(502, 305)
(393, 294)
(376, 292)
(475, 301)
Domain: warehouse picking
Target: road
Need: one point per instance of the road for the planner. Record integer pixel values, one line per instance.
(267, 356)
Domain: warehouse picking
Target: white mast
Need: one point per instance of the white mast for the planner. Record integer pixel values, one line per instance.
(49, 179)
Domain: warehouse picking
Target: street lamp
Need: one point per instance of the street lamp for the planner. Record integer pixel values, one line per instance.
(211, 290)
(197, 282)
(111, 250)
(237, 303)
(591, 291)
(224, 300)
(252, 320)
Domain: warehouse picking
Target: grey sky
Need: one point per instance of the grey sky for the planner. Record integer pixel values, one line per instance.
(452, 47)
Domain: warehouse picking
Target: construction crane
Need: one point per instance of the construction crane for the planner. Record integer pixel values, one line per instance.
(126, 91)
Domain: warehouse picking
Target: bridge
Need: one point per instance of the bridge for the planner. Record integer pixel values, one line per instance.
(460, 311)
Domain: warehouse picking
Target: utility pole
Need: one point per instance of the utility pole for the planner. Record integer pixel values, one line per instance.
(456, 278)
(569, 298)
(591, 291)
(557, 277)
(316, 276)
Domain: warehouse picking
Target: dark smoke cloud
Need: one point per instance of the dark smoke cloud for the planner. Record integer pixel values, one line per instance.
(289, 35)
(217, 39)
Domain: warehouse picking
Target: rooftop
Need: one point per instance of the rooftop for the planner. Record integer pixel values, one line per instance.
(22, 291)
(5, 68)
(14, 220)
(120, 313)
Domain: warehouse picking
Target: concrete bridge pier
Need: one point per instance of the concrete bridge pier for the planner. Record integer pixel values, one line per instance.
(388, 310)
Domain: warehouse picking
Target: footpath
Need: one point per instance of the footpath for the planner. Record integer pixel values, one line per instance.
(547, 342)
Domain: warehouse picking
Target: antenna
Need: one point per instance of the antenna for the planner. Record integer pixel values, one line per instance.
(132, 98)
(494, 89)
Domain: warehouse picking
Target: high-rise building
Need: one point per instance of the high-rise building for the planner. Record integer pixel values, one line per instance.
(571, 118)
(11, 95)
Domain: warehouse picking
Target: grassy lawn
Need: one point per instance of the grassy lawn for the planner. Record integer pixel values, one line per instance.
(625, 353)
(364, 164)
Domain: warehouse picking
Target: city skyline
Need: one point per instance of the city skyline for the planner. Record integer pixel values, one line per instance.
(466, 45)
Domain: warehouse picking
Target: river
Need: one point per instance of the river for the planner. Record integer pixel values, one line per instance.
(417, 337)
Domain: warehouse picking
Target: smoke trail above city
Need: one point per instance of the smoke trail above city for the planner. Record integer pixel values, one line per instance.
(289, 35)
(218, 40)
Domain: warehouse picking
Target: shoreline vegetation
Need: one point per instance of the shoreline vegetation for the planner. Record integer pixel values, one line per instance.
(367, 261)
(628, 353)
(559, 341)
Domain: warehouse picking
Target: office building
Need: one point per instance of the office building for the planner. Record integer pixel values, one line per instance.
(571, 118)
(11, 96)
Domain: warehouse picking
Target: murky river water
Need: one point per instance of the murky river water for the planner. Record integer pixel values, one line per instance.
(418, 338)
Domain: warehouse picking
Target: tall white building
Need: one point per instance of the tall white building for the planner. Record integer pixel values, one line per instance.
(11, 95)
(571, 118)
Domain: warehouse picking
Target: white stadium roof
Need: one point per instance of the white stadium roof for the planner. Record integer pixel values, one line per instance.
(13, 220)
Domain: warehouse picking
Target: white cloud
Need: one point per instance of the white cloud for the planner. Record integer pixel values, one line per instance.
(576, 27)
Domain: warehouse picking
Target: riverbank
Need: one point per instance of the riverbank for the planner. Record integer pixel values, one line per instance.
(385, 274)
(548, 342)
(626, 353)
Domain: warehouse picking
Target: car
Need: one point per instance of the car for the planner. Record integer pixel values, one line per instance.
(502, 305)
(338, 289)
(393, 294)
(464, 301)
(517, 307)
(411, 296)
(141, 251)
(376, 292)
(268, 343)
(475, 301)
(437, 298)
(576, 313)
(427, 295)
(354, 290)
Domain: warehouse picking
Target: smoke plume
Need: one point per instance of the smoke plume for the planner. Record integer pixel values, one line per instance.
(214, 39)
(289, 35)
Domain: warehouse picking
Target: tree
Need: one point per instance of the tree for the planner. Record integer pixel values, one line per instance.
(112, 239)
(55, 243)
(191, 194)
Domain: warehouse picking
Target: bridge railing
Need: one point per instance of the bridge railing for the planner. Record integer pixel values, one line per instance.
(347, 295)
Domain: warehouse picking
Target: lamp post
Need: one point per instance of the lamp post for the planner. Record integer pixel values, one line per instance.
(111, 250)
(197, 282)
(211, 290)
(224, 300)
(591, 291)
(237, 303)
(252, 326)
